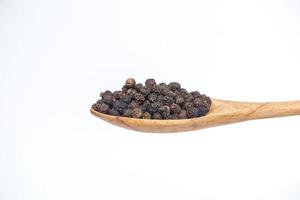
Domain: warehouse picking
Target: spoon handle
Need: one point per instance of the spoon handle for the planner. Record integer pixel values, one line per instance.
(274, 109)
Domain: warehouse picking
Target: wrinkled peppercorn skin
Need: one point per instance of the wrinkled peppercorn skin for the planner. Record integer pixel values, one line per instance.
(153, 101)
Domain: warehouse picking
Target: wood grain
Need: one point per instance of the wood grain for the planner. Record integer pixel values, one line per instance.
(222, 112)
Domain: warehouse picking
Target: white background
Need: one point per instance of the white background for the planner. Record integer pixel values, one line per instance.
(57, 56)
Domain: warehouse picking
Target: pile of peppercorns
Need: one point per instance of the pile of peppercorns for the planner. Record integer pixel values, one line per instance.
(153, 101)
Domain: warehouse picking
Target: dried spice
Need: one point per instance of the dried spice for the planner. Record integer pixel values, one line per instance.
(157, 116)
(182, 114)
(174, 86)
(152, 97)
(153, 101)
(130, 83)
(192, 112)
(150, 82)
(137, 113)
(175, 108)
(113, 112)
(146, 115)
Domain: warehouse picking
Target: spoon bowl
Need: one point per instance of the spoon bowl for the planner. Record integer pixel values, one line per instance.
(221, 112)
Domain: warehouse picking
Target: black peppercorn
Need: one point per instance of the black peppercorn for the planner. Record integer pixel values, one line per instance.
(187, 105)
(137, 113)
(113, 112)
(206, 99)
(145, 90)
(163, 85)
(107, 92)
(183, 91)
(150, 82)
(164, 111)
(182, 114)
(171, 94)
(188, 97)
(119, 105)
(174, 86)
(133, 104)
(117, 94)
(179, 99)
(103, 108)
(126, 98)
(198, 102)
(124, 89)
(175, 108)
(107, 98)
(196, 94)
(153, 101)
(145, 105)
(156, 116)
(127, 113)
(130, 83)
(138, 86)
(153, 107)
(139, 97)
(131, 92)
(155, 88)
(152, 97)
(192, 112)
(168, 100)
(146, 115)
(173, 116)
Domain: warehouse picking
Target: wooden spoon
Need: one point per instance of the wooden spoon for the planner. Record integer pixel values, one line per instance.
(221, 112)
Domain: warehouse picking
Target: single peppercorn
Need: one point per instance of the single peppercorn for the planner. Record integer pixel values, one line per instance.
(150, 82)
(138, 86)
(183, 91)
(145, 90)
(124, 89)
(171, 94)
(179, 99)
(195, 94)
(187, 105)
(133, 104)
(198, 102)
(131, 92)
(182, 114)
(173, 116)
(107, 98)
(160, 98)
(192, 112)
(139, 97)
(117, 94)
(152, 97)
(137, 113)
(168, 100)
(126, 98)
(146, 115)
(102, 107)
(130, 83)
(156, 116)
(107, 92)
(206, 99)
(153, 107)
(174, 86)
(113, 112)
(164, 111)
(188, 97)
(127, 113)
(175, 108)
(155, 88)
(119, 105)
(163, 85)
